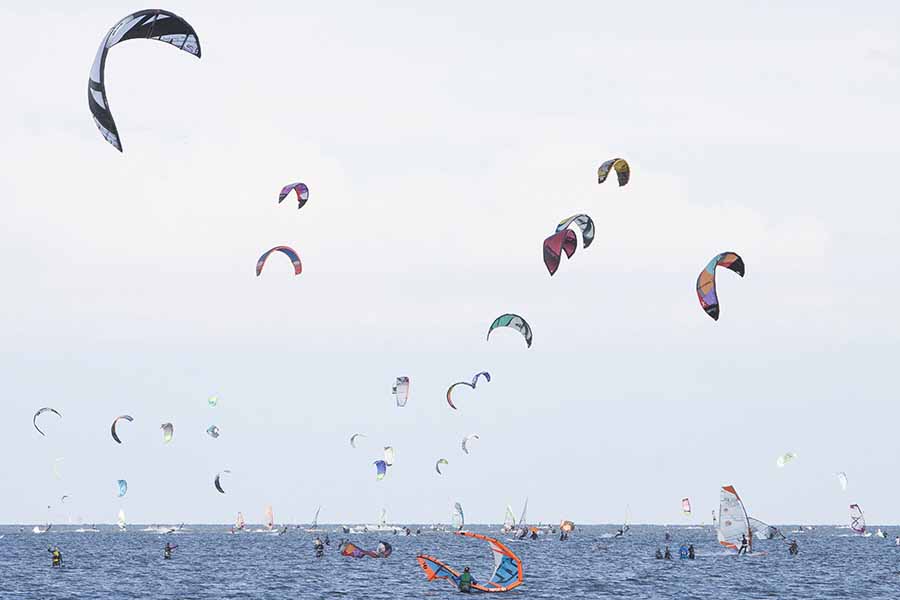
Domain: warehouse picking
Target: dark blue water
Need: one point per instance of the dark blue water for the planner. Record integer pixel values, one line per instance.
(210, 563)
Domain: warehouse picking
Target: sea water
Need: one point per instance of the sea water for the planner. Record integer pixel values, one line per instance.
(211, 563)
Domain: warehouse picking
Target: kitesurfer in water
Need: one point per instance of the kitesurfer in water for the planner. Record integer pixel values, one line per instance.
(619, 533)
(683, 552)
(465, 581)
(667, 555)
(658, 554)
(55, 556)
(167, 551)
(319, 548)
(691, 552)
(743, 548)
(534, 534)
(794, 549)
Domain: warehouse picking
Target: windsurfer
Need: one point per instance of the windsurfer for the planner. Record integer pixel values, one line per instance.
(794, 549)
(744, 548)
(465, 581)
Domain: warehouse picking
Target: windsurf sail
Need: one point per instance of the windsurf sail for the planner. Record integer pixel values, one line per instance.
(121, 520)
(507, 575)
(270, 517)
(239, 523)
(458, 518)
(686, 506)
(353, 551)
(857, 520)
(509, 520)
(382, 518)
(734, 524)
(315, 521)
(524, 512)
(764, 530)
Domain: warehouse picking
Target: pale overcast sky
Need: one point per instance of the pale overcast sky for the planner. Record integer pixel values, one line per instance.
(441, 144)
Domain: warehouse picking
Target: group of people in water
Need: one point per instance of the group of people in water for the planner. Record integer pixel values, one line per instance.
(683, 552)
(688, 551)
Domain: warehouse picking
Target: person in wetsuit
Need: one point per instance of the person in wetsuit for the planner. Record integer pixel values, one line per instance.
(794, 549)
(658, 554)
(744, 547)
(667, 555)
(319, 547)
(167, 551)
(55, 556)
(465, 581)
(691, 552)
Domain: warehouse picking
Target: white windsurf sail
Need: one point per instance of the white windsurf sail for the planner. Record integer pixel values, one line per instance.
(524, 513)
(457, 518)
(315, 521)
(509, 520)
(121, 520)
(239, 522)
(734, 525)
(270, 517)
(382, 518)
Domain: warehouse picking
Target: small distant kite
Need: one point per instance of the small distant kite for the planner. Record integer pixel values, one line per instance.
(287, 251)
(39, 413)
(623, 171)
(380, 469)
(389, 455)
(123, 487)
(706, 281)
(302, 193)
(353, 438)
(218, 480)
(686, 506)
(401, 390)
(112, 429)
(485, 374)
(213, 431)
(784, 459)
(565, 240)
(213, 400)
(842, 480)
(168, 432)
(514, 321)
(437, 465)
(465, 441)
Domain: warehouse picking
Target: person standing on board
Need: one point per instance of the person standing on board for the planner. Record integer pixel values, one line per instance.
(744, 547)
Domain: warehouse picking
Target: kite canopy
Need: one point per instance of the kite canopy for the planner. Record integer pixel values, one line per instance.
(39, 413)
(567, 526)
(623, 171)
(380, 469)
(472, 384)
(764, 530)
(784, 459)
(565, 240)
(401, 390)
(168, 432)
(112, 429)
(123, 487)
(842, 480)
(301, 190)
(554, 246)
(213, 400)
(151, 24)
(287, 251)
(472, 436)
(514, 321)
(389, 455)
(353, 438)
(507, 574)
(857, 519)
(213, 431)
(218, 483)
(686, 506)
(706, 281)
(733, 521)
(437, 465)
(352, 550)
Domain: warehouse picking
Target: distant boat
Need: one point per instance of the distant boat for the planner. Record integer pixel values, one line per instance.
(381, 527)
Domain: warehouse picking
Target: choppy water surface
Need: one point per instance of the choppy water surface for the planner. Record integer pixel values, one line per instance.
(210, 563)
